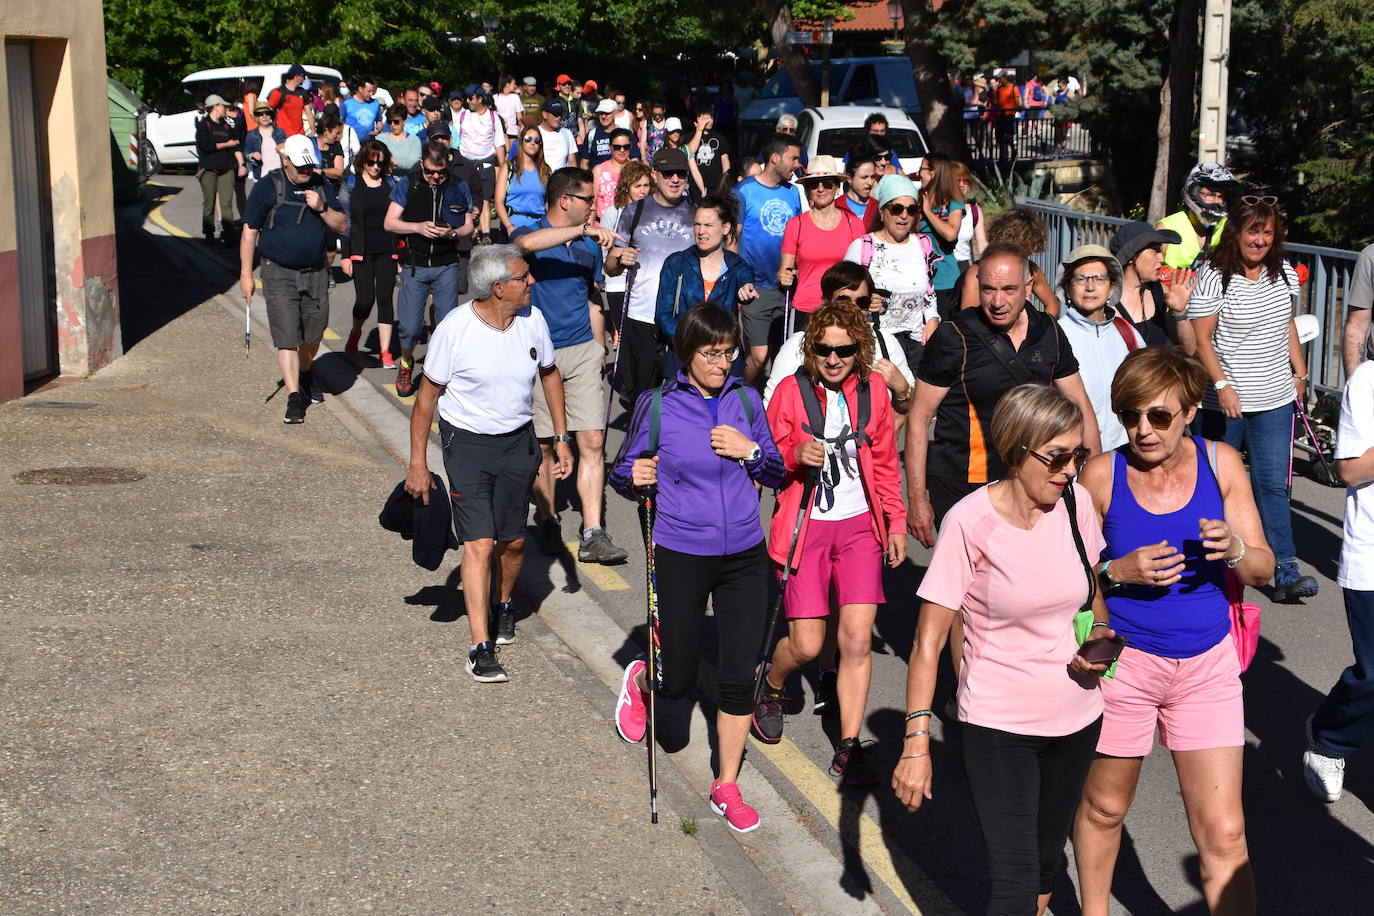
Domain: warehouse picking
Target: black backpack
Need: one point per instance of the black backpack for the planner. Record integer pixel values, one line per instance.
(279, 184)
(815, 412)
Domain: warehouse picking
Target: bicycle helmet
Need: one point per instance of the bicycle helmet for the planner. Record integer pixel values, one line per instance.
(1213, 175)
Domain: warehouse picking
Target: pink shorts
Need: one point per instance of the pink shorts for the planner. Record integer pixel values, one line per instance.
(1195, 702)
(828, 547)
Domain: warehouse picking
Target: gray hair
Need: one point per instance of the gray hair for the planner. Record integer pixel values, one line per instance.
(490, 265)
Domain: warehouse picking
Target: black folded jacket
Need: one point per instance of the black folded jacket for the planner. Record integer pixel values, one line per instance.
(429, 528)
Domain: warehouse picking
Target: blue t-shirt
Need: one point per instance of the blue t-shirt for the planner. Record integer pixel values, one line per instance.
(564, 276)
(361, 116)
(763, 214)
(947, 268)
(415, 123)
(854, 206)
(288, 242)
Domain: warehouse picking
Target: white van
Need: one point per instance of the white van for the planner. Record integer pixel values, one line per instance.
(172, 122)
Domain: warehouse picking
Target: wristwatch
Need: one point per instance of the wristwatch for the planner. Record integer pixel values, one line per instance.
(1224, 383)
(755, 454)
(563, 437)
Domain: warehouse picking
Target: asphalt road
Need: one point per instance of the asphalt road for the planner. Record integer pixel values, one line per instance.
(1308, 857)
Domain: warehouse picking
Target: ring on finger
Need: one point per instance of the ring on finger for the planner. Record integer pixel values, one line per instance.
(1155, 576)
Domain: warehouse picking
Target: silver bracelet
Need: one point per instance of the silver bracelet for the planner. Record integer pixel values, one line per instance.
(1232, 564)
(912, 756)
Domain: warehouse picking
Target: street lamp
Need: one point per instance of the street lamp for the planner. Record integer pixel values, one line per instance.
(491, 22)
(894, 12)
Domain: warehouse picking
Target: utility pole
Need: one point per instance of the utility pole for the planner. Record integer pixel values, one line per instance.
(1216, 51)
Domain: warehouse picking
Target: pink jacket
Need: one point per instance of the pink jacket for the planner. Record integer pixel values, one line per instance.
(877, 462)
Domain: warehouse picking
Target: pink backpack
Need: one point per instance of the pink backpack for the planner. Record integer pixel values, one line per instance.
(927, 249)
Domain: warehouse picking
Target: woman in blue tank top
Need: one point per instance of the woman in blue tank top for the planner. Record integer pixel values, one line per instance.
(520, 184)
(1174, 528)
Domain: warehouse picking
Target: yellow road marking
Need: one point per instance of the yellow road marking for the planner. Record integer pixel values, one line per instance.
(603, 577)
(820, 790)
(391, 387)
(155, 214)
(329, 334)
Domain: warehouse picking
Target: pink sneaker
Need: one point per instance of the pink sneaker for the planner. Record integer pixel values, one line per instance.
(631, 713)
(725, 799)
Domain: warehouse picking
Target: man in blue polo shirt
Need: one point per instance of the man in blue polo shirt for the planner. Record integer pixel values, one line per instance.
(564, 254)
(285, 219)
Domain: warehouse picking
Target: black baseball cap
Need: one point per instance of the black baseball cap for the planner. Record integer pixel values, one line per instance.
(295, 70)
(670, 160)
(554, 107)
(432, 103)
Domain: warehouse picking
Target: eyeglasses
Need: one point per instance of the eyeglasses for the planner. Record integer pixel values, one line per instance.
(1251, 200)
(862, 302)
(439, 171)
(582, 197)
(523, 278)
(537, 141)
(902, 209)
(1159, 417)
(620, 146)
(843, 351)
(828, 184)
(1060, 460)
(715, 356)
(673, 173)
(1085, 279)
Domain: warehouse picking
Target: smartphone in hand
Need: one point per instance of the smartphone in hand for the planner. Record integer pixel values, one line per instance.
(1102, 651)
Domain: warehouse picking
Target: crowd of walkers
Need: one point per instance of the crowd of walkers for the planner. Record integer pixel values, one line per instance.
(864, 343)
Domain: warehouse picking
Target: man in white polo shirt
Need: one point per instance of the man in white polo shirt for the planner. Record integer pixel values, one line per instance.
(479, 371)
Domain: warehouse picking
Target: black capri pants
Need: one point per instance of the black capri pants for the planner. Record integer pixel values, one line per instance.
(1025, 789)
(737, 585)
(374, 279)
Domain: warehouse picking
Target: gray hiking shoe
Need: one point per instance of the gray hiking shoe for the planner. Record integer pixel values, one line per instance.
(596, 547)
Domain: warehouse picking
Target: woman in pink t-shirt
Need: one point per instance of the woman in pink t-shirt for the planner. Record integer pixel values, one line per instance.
(1005, 563)
(816, 240)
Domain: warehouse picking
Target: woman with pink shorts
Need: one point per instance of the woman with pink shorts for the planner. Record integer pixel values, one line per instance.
(1177, 512)
(833, 418)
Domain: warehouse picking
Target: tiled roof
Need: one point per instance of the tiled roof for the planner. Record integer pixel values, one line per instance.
(869, 16)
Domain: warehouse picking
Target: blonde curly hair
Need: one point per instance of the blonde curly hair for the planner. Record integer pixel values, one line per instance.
(847, 317)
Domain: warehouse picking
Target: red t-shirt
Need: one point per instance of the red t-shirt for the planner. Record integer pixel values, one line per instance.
(816, 252)
(290, 111)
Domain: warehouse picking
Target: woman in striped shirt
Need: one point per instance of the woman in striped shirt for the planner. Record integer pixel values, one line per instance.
(1242, 314)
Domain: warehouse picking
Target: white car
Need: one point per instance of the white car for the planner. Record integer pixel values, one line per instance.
(171, 125)
(831, 131)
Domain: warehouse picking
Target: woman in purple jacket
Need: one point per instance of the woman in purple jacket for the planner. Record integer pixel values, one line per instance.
(713, 446)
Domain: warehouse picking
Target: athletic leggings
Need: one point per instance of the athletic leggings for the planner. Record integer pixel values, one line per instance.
(374, 277)
(1025, 790)
(737, 585)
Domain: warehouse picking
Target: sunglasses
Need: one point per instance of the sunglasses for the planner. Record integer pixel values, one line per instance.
(1060, 460)
(1251, 200)
(903, 209)
(582, 197)
(673, 173)
(1159, 417)
(862, 302)
(537, 141)
(376, 162)
(620, 146)
(843, 351)
(439, 171)
(398, 120)
(828, 184)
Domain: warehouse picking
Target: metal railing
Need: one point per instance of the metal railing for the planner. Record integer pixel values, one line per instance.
(1035, 134)
(1323, 295)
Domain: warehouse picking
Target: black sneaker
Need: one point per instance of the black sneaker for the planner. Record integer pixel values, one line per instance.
(295, 408)
(825, 700)
(1290, 584)
(766, 723)
(484, 667)
(549, 533)
(597, 548)
(503, 622)
(308, 387)
(852, 763)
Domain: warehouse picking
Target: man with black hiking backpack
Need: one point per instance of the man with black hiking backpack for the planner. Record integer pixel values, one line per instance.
(288, 217)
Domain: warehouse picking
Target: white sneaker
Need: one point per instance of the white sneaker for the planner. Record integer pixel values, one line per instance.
(1325, 775)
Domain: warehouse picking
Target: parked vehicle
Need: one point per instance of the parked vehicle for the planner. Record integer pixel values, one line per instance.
(870, 82)
(832, 130)
(132, 158)
(171, 126)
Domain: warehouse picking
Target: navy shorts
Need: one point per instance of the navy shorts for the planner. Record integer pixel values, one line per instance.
(489, 480)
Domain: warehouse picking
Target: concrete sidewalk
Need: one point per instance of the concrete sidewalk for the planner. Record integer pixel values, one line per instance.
(229, 690)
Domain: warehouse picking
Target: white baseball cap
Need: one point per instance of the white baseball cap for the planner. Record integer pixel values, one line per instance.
(671, 125)
(605, 106)
(300, 151)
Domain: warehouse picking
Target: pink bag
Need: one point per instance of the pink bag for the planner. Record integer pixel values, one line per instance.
(1245, 621)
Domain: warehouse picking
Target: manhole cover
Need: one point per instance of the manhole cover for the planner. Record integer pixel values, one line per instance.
(79, 477)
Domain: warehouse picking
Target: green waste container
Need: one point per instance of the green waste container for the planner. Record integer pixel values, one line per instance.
(132, 158)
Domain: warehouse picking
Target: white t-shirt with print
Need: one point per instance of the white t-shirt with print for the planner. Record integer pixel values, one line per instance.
(558, 144)
(488, 374)
(479, 136)
(1354, 437)
(902, 271)
(840, 493)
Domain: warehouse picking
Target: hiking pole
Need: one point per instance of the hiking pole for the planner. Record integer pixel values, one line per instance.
(647, 496)
(812, 475)
(620, 344)
(247, 326)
